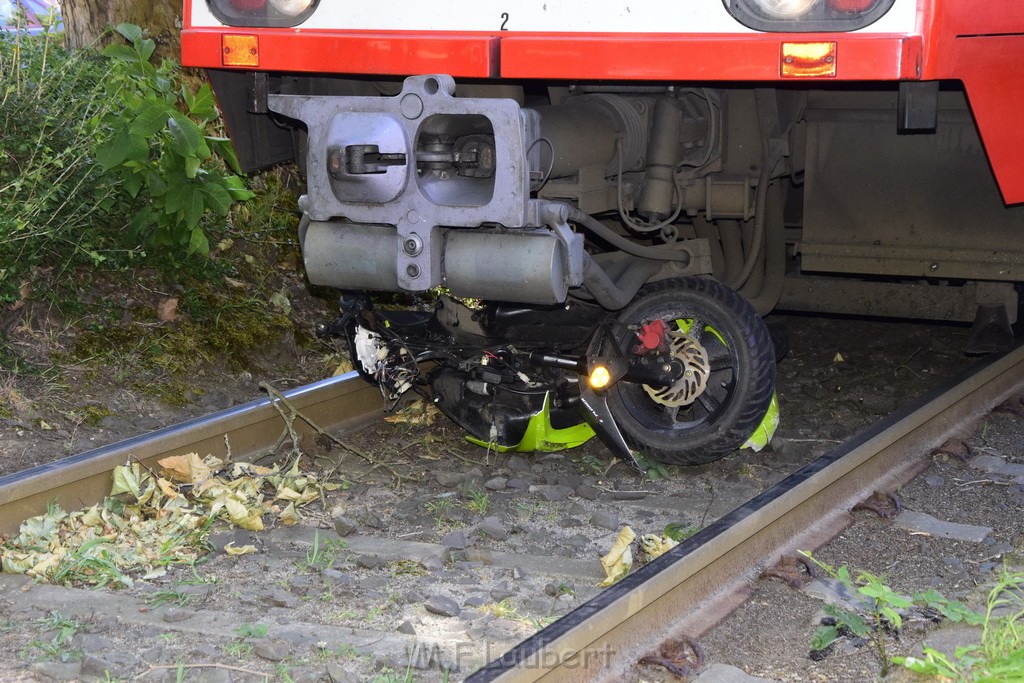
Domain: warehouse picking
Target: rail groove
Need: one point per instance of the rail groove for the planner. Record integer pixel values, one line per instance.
(252, 428)
(691, 588)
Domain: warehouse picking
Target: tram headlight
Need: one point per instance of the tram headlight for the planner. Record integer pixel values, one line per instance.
(291, 7)
(262, 13)
(803, 16)
(785, 9)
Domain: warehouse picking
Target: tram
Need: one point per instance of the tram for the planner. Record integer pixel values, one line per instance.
(590, 205)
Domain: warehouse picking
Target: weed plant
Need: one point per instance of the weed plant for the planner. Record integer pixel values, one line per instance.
(1000, 654)
(105, 158)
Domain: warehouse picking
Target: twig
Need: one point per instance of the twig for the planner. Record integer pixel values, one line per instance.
(982, 481)
(463, 458)
(277, 396)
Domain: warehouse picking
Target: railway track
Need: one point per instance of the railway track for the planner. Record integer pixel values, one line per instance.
(693, 586)
(685, 591)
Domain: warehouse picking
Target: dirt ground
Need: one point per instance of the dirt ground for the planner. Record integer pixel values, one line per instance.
(519, 536)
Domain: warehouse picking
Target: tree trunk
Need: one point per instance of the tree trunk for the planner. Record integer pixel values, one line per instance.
(86, 21)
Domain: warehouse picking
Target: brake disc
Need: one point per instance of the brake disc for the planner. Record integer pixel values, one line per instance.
(696, 370)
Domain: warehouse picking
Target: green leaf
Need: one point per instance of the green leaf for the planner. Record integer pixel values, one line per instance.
(133, 184)
(178, 191)
(850, 620)
(192, 165)
(223, 148)
(187, 136)
(145, 49)
(131, 32)
(194, 207)
(203, 105)
(218, 198)
(152, 118)
(237, 189)
(121, 52)
(823, 637)
(115, 150)
(198, 244)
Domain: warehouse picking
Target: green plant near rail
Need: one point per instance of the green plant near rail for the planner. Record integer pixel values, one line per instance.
(160, 154)
(50, 189)
(1000, 654)
(881, 615)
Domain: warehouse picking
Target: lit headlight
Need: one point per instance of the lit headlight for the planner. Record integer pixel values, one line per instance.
(291, 7)
(785, 9)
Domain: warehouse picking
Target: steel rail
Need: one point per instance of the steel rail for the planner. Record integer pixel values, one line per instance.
(250, 429)
(696, 584)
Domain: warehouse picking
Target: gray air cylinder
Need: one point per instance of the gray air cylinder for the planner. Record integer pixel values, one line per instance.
(526, 266)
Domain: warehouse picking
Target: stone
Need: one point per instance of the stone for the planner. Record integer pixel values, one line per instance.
(588, 492)
(407, 628)
(57, 671)
(493, 527)
(108, 666)
(474, 601)
(517, 463)
(173, 615)
(552, 492)
(445, 607)
(370, 561)
(919, 521)
(335, 577)
(518, 574)
(449, 479)
(454, 540)
(604, 519)
(279, 598)
(499, 594)
(432, 563)
(480, 556)
(517, 484)
(337, 674)
(270, 650)
(628, 495)
(300, 584)
(570, 522)
(90, 642)
(496, 484)
(934, 480)
(343, 526)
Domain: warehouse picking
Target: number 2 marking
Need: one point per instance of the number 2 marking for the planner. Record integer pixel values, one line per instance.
(504, 21)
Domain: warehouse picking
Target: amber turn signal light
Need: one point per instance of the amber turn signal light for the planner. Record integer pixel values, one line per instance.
(240, 50)
(808, 60)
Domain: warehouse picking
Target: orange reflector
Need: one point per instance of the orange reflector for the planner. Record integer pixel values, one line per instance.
(808, 60)
(240, 50)
(599, 377)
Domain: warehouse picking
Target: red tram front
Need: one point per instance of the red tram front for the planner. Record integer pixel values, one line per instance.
(628, 188)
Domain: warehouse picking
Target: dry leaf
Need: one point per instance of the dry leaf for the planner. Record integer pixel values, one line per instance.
(418, 412)
(167, 309)
(188, 469)
(619, 559)
(232, 549)
(656, 546)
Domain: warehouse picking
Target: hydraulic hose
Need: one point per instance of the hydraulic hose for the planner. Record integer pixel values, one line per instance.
(757, 242)
(607, 234)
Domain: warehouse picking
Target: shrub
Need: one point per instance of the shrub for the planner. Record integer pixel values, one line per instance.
(103, 155)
